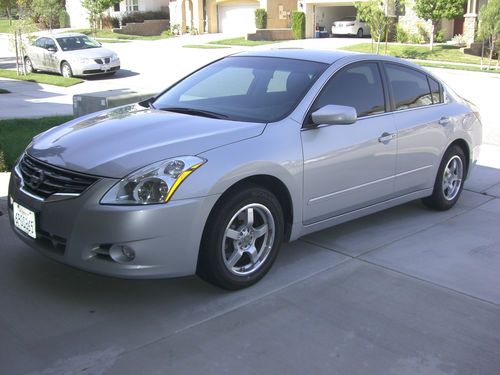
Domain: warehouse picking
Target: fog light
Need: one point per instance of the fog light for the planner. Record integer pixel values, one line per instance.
(121, 253)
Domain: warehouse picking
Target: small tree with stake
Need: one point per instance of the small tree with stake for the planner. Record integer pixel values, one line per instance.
(489, 25)
(436, 10)
(372, 12)
(95, 8)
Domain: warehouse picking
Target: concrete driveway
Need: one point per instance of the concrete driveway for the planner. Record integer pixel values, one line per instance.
(407, 291)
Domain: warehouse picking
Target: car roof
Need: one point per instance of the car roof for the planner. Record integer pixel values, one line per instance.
(322, 56)
(60, 35)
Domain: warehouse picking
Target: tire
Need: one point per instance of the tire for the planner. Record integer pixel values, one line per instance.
(242, 238)
(29, 65)
(449, 180)
(359, 34)
(66, 70)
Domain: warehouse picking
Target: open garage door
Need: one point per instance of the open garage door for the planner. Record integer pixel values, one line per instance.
(327, 15)
(237, 18)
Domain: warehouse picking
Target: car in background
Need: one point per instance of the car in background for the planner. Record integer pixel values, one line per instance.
(350, 26)
(70, 54)
(214, 173)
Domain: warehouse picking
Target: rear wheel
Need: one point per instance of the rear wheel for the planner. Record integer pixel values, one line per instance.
(449, 181)
(66, 70)
(241, 239)
(28, 65)
(360, 33)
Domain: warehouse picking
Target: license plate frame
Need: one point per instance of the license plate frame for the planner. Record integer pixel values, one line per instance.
(24, 219)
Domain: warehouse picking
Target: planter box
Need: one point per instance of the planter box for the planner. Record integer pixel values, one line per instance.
(146, 28)
(271, 34)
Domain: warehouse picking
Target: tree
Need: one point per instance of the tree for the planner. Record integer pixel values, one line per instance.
(435, 10)
(372, 12)
(95, 8)
(8, 5)
(47, 12)
(489, 24)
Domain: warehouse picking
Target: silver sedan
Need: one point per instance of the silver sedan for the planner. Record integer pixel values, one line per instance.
(213, 174)
(70, 54)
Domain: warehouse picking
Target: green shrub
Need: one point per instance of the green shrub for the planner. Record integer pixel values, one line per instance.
(109, 22)
(64, 19)
(260, 18)
(3, 164)
(298, 25)
(439, 38)
(423, 33)
(142, 16)
(401, 34)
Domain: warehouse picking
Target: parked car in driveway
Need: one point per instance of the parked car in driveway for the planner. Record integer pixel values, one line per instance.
(70, 54)
(350, 26)
(257, 148)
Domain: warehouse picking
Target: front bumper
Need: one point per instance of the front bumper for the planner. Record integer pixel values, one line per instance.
(86, 69)
(78, 231)
(344, 30)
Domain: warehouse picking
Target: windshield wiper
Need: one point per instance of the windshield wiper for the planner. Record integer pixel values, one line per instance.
(195, 112)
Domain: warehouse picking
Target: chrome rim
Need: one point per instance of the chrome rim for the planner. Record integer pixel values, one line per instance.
(29, 66)
(452, 177)
(248, 239)
(66, 72)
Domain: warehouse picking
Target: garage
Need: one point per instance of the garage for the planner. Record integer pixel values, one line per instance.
(237, 18)
(326, 15)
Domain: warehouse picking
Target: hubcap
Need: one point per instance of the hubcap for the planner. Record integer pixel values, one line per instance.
(66, 71)
(29, 66)
(248, 239)
(452, 177)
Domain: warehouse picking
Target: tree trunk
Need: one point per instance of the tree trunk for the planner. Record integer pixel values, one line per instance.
(9, 15)
(492, 47)
(433, 27)
(482, 54)
(378, 42)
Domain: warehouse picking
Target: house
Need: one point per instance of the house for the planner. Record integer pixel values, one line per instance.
(79, 17)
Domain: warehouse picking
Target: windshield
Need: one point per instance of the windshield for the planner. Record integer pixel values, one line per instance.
(243, 88)
(348, 19)
(72, 43)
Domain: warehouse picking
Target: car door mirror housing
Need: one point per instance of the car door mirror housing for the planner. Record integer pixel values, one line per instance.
(333, 114)
(52, 49)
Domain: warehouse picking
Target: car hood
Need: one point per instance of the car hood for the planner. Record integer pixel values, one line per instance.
(117, 142)
(90, 53)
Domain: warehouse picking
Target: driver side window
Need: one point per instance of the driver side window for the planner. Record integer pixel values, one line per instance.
(358, 85)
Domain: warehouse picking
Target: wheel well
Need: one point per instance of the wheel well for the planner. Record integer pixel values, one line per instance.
(465, 148)
(275, 186)
(61, 64)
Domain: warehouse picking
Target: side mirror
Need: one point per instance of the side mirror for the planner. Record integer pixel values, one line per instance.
(333, 114)
(52, 49)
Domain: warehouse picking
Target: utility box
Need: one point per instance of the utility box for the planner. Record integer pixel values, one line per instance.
(84, 104)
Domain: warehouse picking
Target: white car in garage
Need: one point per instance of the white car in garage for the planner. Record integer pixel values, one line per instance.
(350, 26)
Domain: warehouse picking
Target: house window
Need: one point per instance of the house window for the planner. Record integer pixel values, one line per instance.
(116, 8)
(132, 5)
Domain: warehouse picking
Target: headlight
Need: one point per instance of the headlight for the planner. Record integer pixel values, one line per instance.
(114, 57)
(85, 60)
(153, 184)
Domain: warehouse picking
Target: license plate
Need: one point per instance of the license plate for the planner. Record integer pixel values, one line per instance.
(105, 67)
(24, 220)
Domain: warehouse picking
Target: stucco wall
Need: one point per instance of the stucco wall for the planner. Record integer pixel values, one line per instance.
(77, 14)
(273, 16)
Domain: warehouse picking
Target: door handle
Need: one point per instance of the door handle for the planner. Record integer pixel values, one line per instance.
(444, 120)
(386, 137)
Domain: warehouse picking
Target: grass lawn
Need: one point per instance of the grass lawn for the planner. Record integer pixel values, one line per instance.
(4, 25)
(49, 79)
(111, 35)
(3, 91)
(113, 40)
(457, 67)
(439, 53)
(241, 41)
(203, 46)
(16, 134)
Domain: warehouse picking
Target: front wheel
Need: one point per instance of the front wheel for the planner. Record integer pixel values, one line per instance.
(449, 181)
(241, 239)
(66, 70)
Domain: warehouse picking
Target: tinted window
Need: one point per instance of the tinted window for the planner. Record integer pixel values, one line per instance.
(40, 42)
(49, 43)
(409, 87)
(260, 89)
(72, 43)
(435, 91)
(357, 86)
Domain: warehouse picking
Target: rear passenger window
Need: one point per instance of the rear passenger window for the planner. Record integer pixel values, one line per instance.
(435, 91)
(358, 86)
(409, 87)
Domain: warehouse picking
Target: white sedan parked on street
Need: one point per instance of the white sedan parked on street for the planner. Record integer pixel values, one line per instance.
(70, 54)
(350, 26)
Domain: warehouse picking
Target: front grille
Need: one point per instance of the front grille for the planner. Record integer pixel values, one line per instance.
(43, 180)
(51, 242)
(100, 61)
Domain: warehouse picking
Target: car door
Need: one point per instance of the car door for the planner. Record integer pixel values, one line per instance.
(50, 56)
(422, 123)
(347, 167)
(36, 53)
